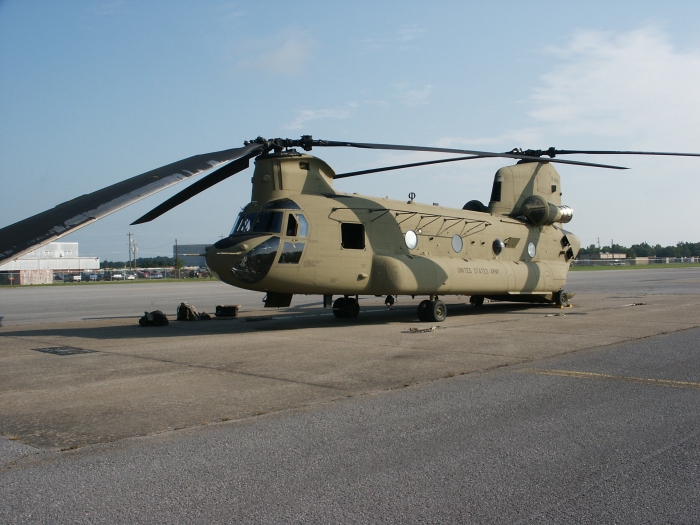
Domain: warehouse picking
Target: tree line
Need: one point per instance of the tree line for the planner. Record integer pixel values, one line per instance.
(682, 249)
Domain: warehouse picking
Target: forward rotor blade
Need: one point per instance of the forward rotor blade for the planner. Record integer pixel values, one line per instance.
(486, 154)
(402, 166)
(28, 234)
(207, 182)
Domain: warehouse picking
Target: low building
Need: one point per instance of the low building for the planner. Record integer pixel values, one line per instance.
(602, 256)
(40, 265)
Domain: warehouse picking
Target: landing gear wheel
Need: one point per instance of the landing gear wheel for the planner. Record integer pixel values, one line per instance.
(346, 308)
(561, 298)
(423, 311)
(351, 309)
(437, 311)
(476, 300)
(339, 308)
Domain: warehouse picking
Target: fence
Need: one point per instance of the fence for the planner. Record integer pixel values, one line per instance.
(639, 261)
(21, 277)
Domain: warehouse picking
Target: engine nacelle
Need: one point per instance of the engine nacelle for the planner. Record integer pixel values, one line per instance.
(540, 212)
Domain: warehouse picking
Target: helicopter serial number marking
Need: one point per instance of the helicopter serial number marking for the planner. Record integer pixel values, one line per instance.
(478, 270)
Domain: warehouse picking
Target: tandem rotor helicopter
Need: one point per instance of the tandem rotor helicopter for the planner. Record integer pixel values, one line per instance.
(300, 236)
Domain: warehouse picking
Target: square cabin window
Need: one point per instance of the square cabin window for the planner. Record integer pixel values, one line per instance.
(353, 236)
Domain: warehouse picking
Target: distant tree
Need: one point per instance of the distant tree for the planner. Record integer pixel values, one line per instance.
(154, 262)
(689, 249)
(668, 251)
(591, 249)
(112, 264)
(643, 250)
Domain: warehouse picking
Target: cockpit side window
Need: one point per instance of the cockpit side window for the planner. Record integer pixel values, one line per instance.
(303, 225)
(297, 225)
(292, 226)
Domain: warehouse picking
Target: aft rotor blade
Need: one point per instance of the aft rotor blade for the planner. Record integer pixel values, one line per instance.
(28, 234)
(203, 184)
(402, 166)
(486, 154)
(592, 152)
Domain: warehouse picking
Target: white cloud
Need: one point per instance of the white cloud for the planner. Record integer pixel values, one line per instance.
(283, 54)
(628, 90)
(306, 115)
(518, 138)
(414, 96)
(399, 39)
(633, 85)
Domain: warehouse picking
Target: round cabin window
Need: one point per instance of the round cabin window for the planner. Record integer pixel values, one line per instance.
(411, 239)
(457, 243)
(498, 246)
(531, 249)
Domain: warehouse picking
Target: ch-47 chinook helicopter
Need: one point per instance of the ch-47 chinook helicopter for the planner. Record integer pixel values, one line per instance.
(300, 236)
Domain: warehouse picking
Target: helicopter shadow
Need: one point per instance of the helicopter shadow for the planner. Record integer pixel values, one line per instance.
(302, 318)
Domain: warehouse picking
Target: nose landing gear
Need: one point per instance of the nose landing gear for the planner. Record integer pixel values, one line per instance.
(346, 308)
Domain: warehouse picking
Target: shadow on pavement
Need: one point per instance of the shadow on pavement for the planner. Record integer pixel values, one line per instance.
(288, 319)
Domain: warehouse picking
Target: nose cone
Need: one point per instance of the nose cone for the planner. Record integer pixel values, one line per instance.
(242, 263)
(220, 260)
(213, 261)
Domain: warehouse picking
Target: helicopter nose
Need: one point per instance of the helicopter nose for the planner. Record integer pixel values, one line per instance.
(219, 260)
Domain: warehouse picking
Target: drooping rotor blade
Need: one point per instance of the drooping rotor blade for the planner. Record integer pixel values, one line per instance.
(486, 154)
(402, 166)
(28, 234)
(202, 184)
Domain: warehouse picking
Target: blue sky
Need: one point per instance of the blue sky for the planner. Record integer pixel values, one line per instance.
(92, 93)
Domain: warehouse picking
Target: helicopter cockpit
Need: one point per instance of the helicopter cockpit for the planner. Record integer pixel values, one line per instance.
(269, 220)
(256, 263)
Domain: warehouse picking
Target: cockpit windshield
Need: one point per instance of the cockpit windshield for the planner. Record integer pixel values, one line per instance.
(262, 222)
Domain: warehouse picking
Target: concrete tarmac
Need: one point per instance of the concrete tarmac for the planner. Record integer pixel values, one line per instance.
(184, 388)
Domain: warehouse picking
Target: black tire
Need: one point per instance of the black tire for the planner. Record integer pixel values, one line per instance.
(423, 311)
(476, 300)
(351, 308)
(437, 311)
(561, 298)
(339, 308)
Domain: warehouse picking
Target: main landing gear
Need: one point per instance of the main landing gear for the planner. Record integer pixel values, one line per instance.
(346, 308)
(476, 300)
(433, 310)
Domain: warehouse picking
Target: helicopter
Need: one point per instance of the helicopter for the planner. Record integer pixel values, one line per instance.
(298, 235)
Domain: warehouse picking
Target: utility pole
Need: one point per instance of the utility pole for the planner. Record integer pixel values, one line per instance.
(175, 261)
(133, 248)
